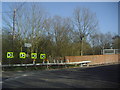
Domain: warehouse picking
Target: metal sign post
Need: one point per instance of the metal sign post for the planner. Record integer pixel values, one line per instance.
(22, 55)
(43, 56)
(34, 56)
(9, 56)
(34, 62)
(27, 45)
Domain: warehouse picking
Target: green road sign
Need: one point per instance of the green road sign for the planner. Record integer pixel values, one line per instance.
(22, 55)
(10, 55)
(33, 55)
(42, 56)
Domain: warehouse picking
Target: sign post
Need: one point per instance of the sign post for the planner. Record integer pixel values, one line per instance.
(43, 57)
(10, 55)
(22, 55)
(27, 45)
(34, 56)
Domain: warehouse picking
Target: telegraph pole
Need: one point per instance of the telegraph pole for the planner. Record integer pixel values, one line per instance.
(14, 18)
(13, 37)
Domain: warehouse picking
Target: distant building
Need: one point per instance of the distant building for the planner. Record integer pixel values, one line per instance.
(110, 51)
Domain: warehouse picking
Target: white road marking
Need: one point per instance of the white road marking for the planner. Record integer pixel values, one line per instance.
(25, 75)
(12, 78)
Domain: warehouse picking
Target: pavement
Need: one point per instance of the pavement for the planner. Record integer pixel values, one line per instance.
(0, 77)
(81, 77)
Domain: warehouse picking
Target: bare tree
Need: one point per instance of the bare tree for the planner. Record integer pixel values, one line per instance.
(101, 41)
(29, 25)
(62, 28)
(85, 23)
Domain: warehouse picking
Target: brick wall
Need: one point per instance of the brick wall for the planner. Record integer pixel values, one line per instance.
(95, 59)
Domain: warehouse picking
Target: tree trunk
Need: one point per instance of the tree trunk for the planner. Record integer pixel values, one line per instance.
(81, 52)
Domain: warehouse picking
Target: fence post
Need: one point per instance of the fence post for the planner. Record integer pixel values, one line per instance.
(47, 64)
(57, 61)
(43, 61)
(54, 60)
(114, 51)
(68, 60)
(81, 65)
(87, 65)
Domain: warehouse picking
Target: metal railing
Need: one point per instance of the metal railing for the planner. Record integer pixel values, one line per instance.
(37, 64)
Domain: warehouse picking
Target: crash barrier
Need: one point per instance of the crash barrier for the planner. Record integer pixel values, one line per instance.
(95, 59)
(77, 63)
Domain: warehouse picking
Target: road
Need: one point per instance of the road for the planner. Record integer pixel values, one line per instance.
(90, 77)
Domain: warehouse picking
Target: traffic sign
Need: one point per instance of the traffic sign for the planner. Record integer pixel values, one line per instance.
(28, 44)
(10, 55)
(33, 55)
(42, 56)
(22, 55)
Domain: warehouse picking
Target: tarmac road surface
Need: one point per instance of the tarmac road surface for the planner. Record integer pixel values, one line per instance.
(92, 77)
